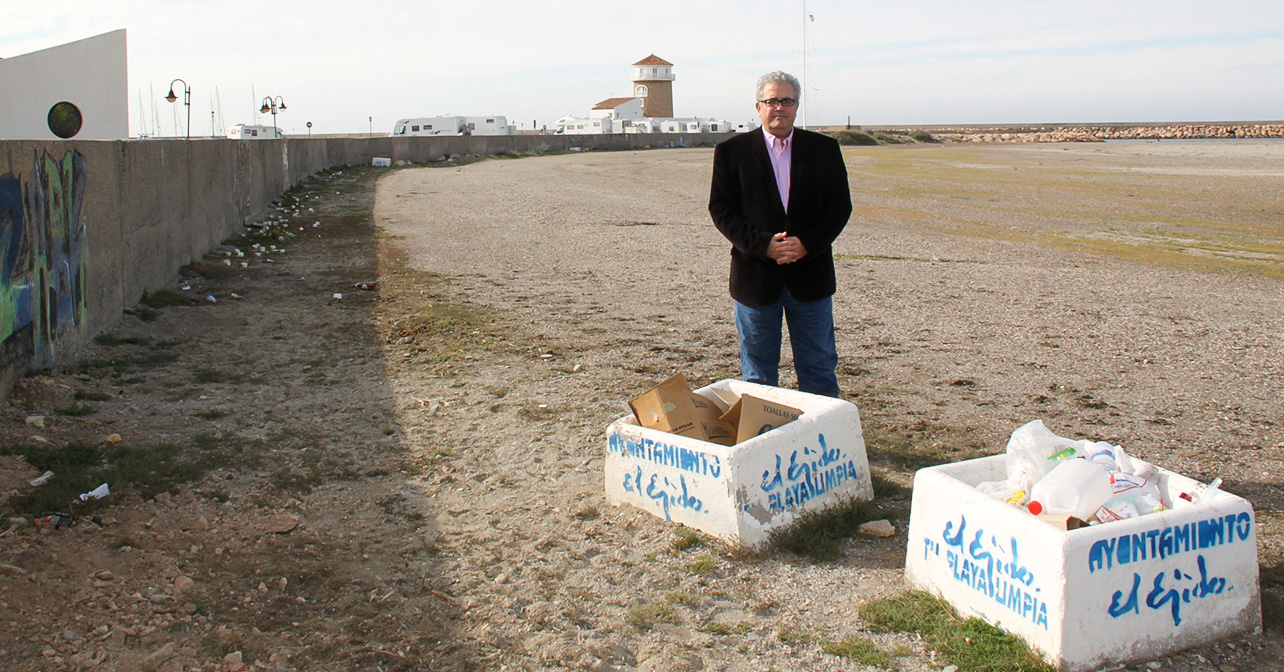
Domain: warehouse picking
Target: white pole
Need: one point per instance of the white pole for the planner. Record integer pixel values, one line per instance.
(801, 95)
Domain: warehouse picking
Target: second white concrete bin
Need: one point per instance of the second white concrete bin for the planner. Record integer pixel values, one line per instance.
(741, 493)
(1126, 591)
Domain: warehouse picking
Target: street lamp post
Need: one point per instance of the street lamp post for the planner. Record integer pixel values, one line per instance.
(272, 104)
(187, 100)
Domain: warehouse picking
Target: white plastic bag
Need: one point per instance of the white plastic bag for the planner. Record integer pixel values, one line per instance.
(1033, 450)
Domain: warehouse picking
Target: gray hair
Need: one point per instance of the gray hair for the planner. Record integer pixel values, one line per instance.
(778, 77)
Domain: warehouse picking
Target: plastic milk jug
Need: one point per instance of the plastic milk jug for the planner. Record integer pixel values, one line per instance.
(1075, 487)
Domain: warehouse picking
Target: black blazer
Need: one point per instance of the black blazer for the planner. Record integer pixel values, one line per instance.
(745, 205)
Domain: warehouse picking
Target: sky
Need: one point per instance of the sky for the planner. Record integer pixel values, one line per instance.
(357, 67)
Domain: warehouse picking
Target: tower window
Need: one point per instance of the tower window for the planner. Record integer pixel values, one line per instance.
(640, 91)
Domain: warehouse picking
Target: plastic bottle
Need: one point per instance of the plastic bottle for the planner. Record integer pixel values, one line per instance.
(1075, 487)
(1210, 492)
(1201, 494)
(1063, 454)
(1102, 454)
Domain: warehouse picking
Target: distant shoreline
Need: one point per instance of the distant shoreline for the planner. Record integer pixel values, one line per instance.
(1087, 132)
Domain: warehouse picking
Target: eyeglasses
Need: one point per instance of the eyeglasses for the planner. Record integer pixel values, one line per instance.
(779, 102)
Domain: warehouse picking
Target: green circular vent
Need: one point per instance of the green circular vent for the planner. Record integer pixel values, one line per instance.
(64, 120)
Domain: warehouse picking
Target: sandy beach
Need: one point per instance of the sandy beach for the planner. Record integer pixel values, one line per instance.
(1127, 292)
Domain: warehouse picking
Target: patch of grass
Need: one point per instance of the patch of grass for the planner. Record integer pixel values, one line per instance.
(145, 470)
(703, 565)
(164, 298)
(644, 616)
(85, 395)
(77, 410)
(818, 535)
(681, 597)
(890, 138)
(210, 269)
(723, 630)
(971, 644)
(848, 137)
(119, 366)
(143, 313)
(922, 136)
(795, 636)
(884, 489)
(860, 650)
(686, 538)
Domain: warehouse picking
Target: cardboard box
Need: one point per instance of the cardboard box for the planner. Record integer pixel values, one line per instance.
(753, 416)
(741, 493)
(672, 407)
(1093, 597)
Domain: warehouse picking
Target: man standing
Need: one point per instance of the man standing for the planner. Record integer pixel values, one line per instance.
(781, 197)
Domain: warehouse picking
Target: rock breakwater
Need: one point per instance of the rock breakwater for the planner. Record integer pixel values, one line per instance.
(1103, 133)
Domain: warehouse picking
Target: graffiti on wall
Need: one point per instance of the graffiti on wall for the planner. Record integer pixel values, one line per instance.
(812, 472)
(42, 259)
(1177, 583)
(667, 493)
(990, 567)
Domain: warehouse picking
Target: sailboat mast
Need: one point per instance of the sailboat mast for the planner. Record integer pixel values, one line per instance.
(802, 97)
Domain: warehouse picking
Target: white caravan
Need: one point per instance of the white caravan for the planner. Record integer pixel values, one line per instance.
(452, 125)
(248, 132)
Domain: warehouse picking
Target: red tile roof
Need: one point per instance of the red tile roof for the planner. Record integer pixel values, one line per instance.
(653, 60)
(611, 103)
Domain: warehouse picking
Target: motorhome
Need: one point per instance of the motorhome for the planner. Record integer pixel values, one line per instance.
(452, 125)
(248, 132)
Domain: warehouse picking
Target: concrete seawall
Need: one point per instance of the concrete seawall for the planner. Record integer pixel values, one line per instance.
(87, 226)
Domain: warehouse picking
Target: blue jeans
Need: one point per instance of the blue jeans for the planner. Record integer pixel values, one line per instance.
(811, 334)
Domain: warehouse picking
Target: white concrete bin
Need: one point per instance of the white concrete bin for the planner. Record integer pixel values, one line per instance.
(1121, 592)
(741, 493)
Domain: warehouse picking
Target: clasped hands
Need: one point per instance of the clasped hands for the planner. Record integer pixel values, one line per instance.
(785, 249)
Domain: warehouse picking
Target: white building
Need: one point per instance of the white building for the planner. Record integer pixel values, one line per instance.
(75, 90)
(453, 125)
(653, 96)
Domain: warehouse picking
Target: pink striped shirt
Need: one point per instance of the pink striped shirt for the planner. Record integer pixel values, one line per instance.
(782, 158)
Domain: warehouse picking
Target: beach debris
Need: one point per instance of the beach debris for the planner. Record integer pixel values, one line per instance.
(877, 528)
(97, 493)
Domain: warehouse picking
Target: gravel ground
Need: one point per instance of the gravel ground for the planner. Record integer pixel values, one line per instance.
(454, 516)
